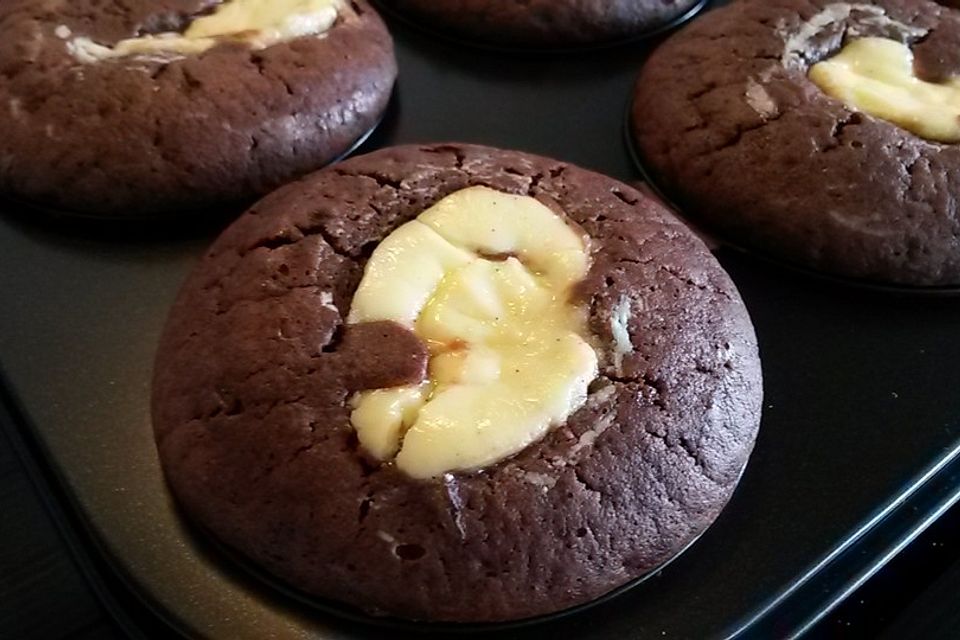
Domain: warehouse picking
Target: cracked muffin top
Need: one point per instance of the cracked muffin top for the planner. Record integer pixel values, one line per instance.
(150, 108)
(303, 368)
(544, 23)
(816, 132)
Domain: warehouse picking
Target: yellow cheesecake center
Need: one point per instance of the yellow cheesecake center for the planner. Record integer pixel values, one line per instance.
(876, 76)
(484, 278)
(257, 23)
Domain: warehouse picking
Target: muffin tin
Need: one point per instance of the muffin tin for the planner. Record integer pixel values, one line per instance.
(858, 449)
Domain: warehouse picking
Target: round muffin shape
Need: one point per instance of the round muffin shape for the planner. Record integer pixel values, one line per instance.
(255, 372)
(728, 123)
(153, 136)
(544, 23)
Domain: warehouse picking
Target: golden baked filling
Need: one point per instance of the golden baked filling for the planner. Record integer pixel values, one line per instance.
(485, 279)
(876, 76)
(257, 23)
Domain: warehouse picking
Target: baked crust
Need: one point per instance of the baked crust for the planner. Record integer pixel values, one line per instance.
(550, 23)
(728, 123)
(146, 137)
(253, 376)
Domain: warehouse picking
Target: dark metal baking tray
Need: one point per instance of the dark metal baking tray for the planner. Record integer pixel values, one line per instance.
(857, 452)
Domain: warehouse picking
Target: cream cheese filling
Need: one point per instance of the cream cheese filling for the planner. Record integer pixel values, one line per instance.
(876, 76)
(257, 23)
(485, 279)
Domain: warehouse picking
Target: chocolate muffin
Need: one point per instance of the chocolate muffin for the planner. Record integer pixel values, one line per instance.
(271, 342)
(166, 107)
(733, 118)
(544, 23)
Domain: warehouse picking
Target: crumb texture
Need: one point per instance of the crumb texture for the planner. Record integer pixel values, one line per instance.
(166, 135)
(728, 122)
(255, 370)
(554, 23)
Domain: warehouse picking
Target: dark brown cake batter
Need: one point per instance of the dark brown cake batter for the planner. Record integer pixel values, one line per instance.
(550, 23)
(144, 136)
(255, 370)
(728, 122)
